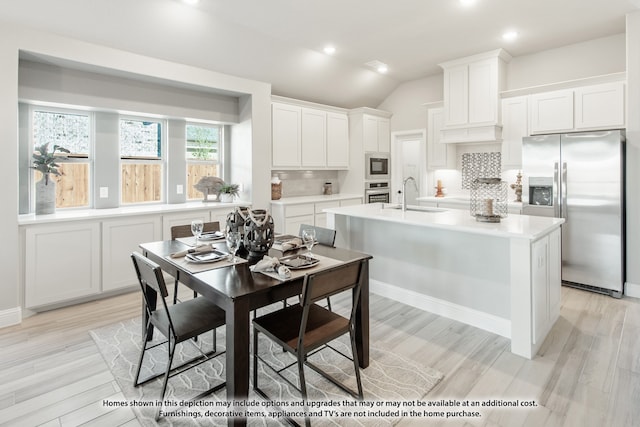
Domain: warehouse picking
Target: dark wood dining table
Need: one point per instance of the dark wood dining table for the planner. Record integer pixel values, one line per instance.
(238, 291)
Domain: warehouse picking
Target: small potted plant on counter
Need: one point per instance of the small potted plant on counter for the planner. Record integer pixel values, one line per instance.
(44, 161)
(227, 192)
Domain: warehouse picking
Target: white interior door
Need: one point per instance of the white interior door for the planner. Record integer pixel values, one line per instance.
(409, 159)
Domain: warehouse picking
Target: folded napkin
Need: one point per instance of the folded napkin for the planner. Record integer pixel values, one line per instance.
(271, 264)
(286, 243)
(200, 248)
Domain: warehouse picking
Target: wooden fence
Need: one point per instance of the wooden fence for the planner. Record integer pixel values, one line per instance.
(141, 182)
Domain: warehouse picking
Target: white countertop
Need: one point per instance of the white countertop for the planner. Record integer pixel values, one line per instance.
(519, 226)
(63, 215)
(459, 199)
(315, 199)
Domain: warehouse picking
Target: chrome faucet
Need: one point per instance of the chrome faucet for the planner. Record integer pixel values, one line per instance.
(404, 191)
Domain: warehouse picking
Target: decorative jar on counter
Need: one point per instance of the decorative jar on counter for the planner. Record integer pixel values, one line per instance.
(488, 199)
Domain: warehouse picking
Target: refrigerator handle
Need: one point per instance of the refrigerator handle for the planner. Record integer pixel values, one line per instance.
(556, 191)
(565, 211)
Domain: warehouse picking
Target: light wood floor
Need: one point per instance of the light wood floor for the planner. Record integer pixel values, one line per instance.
(586, 374)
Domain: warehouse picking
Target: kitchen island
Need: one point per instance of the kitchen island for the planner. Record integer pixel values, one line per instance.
(502, 277)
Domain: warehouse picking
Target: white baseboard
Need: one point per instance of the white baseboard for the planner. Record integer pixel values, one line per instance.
(632, 290)
(12, 316)
(488, 322)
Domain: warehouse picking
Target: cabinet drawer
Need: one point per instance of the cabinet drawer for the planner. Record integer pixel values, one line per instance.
(326, 205)
(298, 210)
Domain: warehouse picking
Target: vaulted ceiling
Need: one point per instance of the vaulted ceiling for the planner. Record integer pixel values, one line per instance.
(281, 41)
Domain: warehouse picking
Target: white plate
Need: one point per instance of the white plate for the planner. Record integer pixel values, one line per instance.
(298, 262)
(215, 235)
(206, 257)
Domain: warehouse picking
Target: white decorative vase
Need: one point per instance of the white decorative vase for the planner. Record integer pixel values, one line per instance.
(45, 197)
(226, 197)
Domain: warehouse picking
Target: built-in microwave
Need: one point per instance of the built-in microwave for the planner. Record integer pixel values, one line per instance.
(377, 166)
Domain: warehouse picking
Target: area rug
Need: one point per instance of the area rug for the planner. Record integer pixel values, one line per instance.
(389, 382)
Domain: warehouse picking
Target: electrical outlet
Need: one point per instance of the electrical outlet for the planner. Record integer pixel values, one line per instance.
(179, 189)
(104, 192)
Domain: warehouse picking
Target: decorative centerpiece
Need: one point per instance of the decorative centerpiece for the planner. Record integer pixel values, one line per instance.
(488, 199)
(235, 223)
(209, 186)
(44, 161)
(227, 192)
(517, 186)
(258, 233)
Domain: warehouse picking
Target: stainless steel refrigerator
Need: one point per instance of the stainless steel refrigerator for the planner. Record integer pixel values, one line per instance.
(580, 177)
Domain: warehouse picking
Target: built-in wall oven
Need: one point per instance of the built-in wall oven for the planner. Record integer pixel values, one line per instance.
(377, 166)
(377, 192)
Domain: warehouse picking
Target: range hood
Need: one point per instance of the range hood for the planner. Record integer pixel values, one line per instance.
(472, 88)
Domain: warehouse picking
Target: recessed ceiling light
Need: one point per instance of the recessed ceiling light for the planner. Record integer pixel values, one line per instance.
(467, 3)
(379, 66)
(329, 50)
(510, 36)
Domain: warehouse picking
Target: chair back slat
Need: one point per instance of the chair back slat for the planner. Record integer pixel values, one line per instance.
(149, 274)
(329, 282)
(324, 236)
(180, 231)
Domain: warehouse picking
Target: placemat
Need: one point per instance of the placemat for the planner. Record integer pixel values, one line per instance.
(192, 267)
(324, 263)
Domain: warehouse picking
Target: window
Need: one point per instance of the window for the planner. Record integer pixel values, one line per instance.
(203, 155)
(141, 161)
(70, 130)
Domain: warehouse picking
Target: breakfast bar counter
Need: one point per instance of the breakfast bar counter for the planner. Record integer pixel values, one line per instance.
(502, 277)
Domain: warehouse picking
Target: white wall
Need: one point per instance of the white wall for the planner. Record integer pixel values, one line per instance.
(591, 58)
(406, 102)
(633, 154)
(13, 39)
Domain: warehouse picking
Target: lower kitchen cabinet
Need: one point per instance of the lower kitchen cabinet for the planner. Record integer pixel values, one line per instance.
(288, 217)
(120, 237)
(62, 262)
(545, 283)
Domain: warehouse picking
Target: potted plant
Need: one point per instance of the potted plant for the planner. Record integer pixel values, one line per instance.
(44, 161)
(227, 192)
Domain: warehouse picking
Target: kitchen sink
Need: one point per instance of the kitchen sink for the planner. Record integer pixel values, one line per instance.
(415, 208)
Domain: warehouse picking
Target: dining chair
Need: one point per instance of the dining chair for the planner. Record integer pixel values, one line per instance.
(306, 328)
(177, 323)
(181, 231)
(324, 237)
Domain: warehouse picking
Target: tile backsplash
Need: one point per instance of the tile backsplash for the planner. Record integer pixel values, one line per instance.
(306, 183)
(480, 165)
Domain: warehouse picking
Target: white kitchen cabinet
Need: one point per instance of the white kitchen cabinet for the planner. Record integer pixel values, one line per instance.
(62, 262)
(120, 237)
(182, 218)
(286, 135)
(337, 140)
(309, 137)
(471, 97)
(351, 202)
(515, 126)
(320, 218)
(376, 134)
(600, 107)
(439, 155)
(220, 215)
(314, 138)
(583, 108)
(551, 112)
(545, 283)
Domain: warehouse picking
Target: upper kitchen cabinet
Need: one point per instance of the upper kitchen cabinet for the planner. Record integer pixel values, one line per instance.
(309, 136)
(286, 133)
(515, 126)
(584, 108)
(472, 88)
(376, 133)
(369, 131)
(439, 155)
